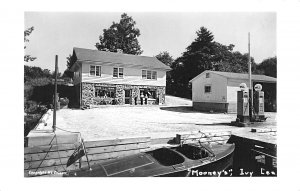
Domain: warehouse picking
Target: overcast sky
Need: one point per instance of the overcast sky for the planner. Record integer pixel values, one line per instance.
(58, 32)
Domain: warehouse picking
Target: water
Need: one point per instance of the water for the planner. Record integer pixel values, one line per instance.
(251, 160)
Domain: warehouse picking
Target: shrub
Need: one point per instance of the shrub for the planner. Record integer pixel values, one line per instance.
(30, 121)
(38, 82)
(28, 91)
(30, 106)
(64, 101)
(42, 109)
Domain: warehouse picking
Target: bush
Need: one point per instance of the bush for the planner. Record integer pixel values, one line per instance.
(42, 109)
(28, 91)
(38, 82)
(31, 106)
(64, 101)
(30, 121)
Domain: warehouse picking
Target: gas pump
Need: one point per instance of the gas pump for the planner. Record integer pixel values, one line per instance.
(258, 103)
(243, 104)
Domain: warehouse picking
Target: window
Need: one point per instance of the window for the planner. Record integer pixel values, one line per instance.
(118, 72)
(105, 92)
(207, 89)
(144, 74)
(148, 74)
(95, 70)
(154, 75)
(98, 70)
(149, 93)
(207, 75)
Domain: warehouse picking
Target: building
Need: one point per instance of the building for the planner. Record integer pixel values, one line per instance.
(217, 91)
(102, 77)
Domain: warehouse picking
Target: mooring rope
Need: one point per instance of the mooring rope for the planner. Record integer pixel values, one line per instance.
(68, 131)
(58, 152)
(46, 154)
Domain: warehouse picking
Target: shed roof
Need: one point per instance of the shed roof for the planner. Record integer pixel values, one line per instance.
(242, 76)
(83, 54)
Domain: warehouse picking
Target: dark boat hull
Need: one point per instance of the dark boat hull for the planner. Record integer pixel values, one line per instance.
(170, 162)
(221, 167)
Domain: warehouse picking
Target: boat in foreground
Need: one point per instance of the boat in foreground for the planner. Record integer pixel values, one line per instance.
(175, 161)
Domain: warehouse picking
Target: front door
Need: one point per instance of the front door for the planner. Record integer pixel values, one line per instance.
(127, 96)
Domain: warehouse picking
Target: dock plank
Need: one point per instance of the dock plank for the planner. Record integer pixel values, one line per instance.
(102, 143)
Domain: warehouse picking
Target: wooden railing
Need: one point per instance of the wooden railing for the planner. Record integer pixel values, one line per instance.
(45, 160)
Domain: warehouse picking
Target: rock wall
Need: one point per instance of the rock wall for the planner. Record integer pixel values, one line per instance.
(161, 93)
(88, 93)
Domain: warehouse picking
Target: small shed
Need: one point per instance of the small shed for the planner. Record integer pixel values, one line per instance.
(217, 91)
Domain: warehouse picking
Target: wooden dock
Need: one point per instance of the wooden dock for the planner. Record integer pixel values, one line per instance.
(47, 160)
(47, 153)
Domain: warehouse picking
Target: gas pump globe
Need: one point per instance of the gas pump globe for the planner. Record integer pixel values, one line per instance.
(243, 87)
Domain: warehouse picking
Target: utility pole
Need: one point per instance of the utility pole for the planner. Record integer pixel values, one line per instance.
(55, 95)
(250, 80)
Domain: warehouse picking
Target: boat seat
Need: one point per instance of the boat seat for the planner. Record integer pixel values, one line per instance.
(167, 157)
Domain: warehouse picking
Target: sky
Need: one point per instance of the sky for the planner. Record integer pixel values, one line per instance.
(56, 33)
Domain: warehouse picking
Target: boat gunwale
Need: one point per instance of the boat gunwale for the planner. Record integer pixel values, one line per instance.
(171, 168)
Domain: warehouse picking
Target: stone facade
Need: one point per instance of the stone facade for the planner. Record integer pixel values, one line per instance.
(88, 94)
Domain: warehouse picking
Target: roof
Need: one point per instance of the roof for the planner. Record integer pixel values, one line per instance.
(231, 75)
(118, 58)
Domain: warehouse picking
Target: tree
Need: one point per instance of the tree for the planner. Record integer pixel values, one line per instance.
(268, 67)
(197, 58)
(204, 54)
(27, 32)
(71, 59)
(34, 72)
(68, 73)
(165, 58)
(168, 60)
(122, 35)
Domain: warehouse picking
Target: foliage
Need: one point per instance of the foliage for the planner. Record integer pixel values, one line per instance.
(71, 59)
(28, 91)
(64, 101)
(165, 58)
(30, 121)
(122, 35)
(268, 67)
(39, 82)
(27, 32)
(53, 75)
(30, 106)
(68, 73)
(33, 72)
(33, 114)
(204, 54)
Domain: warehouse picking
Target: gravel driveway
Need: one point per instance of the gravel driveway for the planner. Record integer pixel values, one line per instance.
(131, 121)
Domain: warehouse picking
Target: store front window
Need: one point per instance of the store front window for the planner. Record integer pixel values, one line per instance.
(105, 92)
(149, 93)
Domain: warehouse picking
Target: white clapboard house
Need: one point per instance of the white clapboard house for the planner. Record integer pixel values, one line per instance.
(217, 91)
(102, 77)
